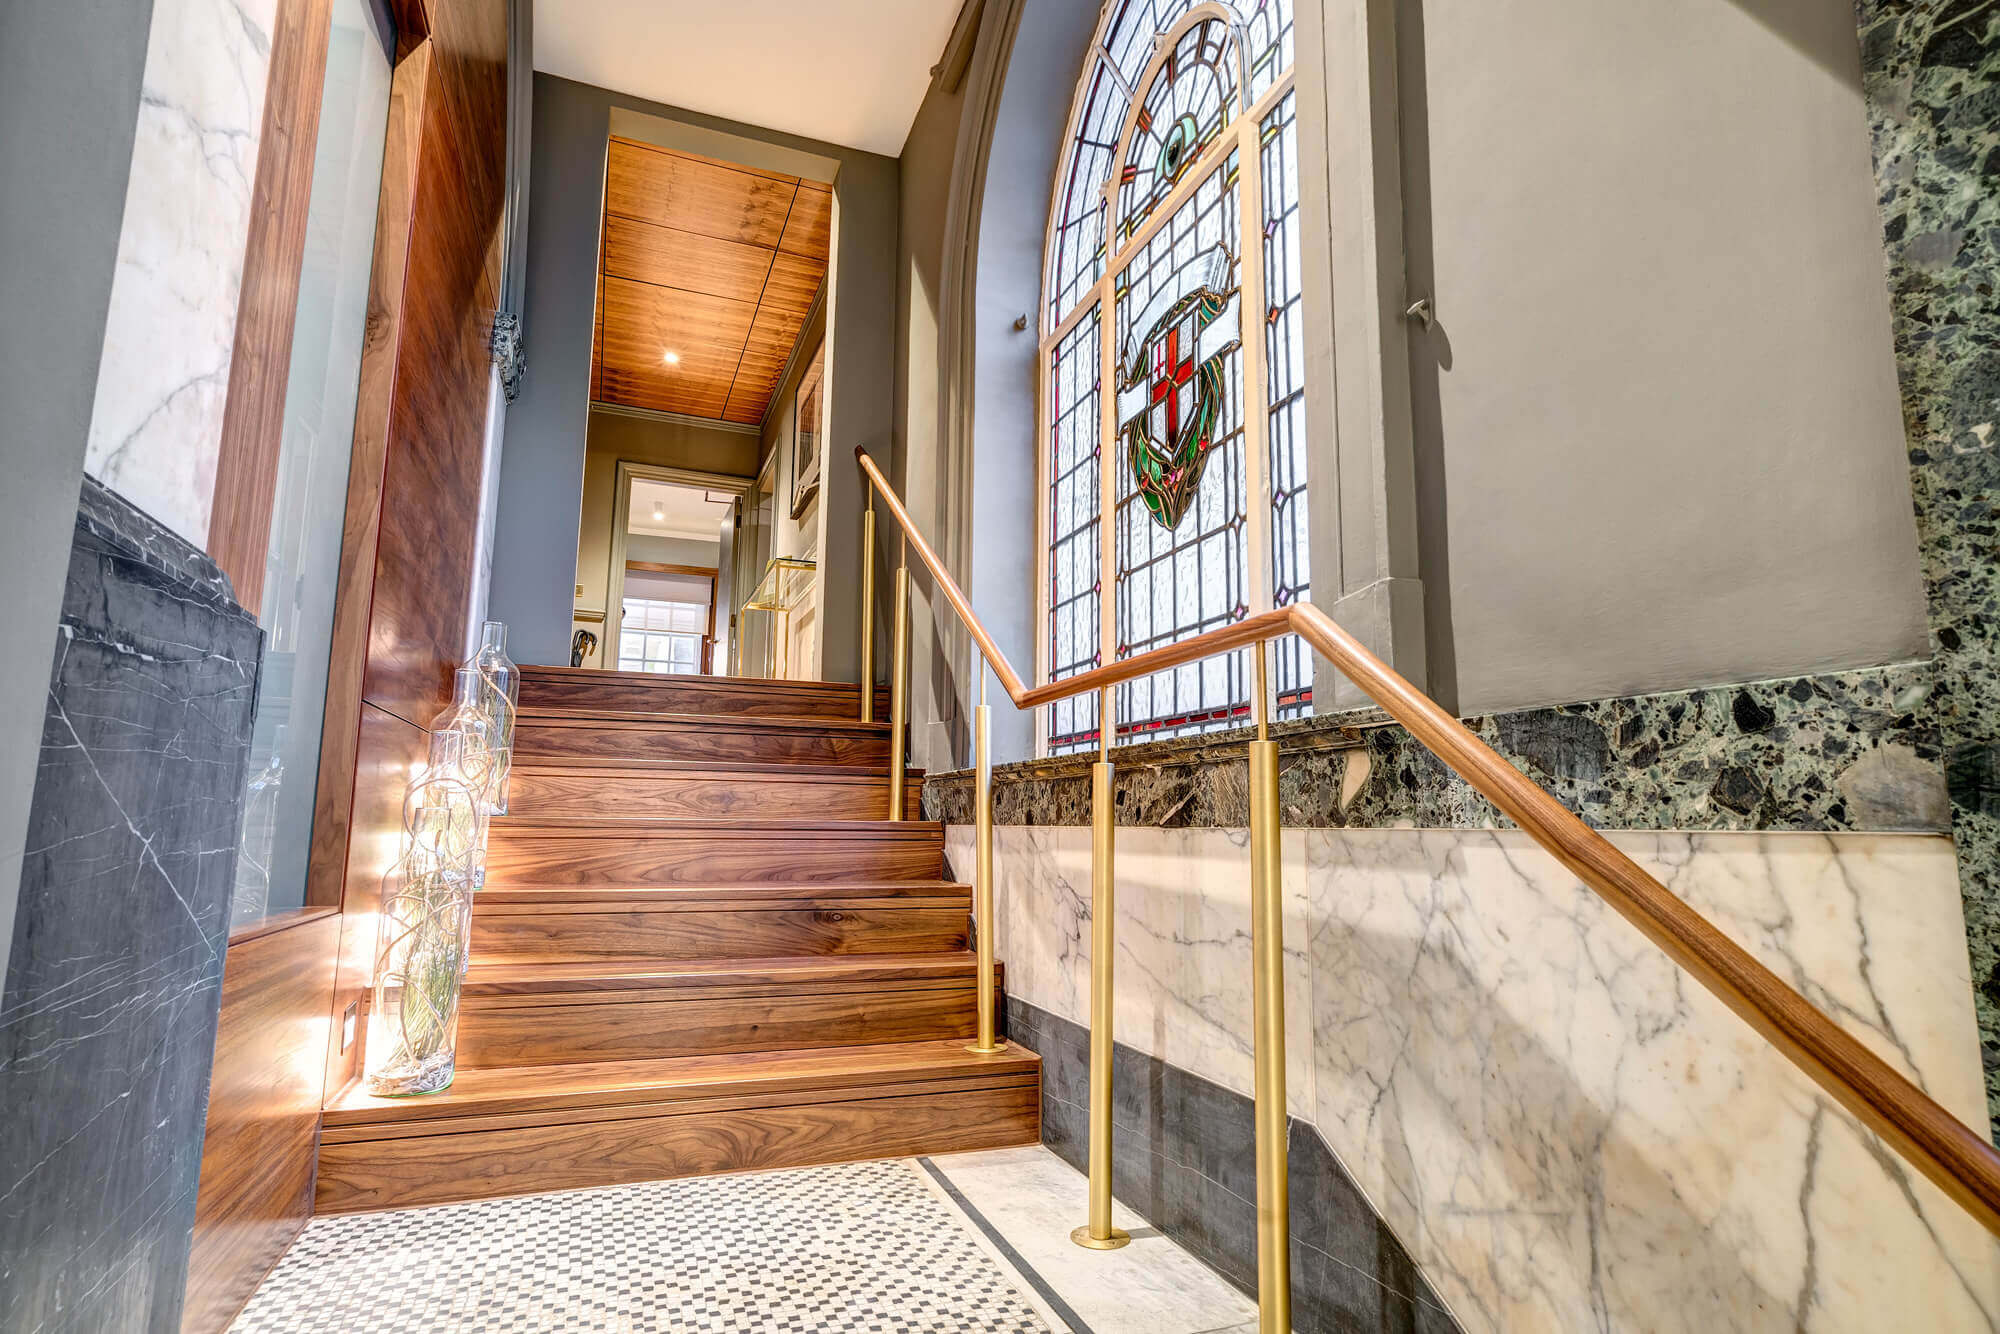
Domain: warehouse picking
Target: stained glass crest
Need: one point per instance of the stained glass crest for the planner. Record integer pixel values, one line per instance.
(1170, 383)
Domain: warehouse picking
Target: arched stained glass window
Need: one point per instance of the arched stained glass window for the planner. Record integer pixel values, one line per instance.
(1172, 371)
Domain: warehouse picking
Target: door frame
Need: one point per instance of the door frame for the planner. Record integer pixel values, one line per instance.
(621, 512)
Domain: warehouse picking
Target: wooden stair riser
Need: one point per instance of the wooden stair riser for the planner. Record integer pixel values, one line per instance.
(474, 1164)
(542, 737)
(528, 1030)
(612, 857)
(542, 688)
(557, 933)
(583, 794)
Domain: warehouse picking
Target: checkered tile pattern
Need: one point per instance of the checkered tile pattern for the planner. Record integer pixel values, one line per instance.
(853, 1249)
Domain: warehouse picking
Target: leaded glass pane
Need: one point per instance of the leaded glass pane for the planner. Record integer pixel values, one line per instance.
(1130, 29)
(1074, 468)
(1284, 345)
(1191, 99)
(1177, 582)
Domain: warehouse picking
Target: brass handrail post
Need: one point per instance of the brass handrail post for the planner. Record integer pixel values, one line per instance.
(899, 704)
(1267, 966)
(1098, 1234)
(868, 610)
(982, 864)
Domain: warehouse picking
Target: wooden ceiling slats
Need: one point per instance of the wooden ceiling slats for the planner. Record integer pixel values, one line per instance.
(687, 260)
(809, 229)
(714, 261)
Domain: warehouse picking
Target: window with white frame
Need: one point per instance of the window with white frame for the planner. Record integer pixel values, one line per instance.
(662, 637)
(1179, 413)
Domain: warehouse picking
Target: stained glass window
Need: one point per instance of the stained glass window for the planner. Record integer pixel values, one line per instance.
(1073, 554)
(1179, 581)
(1186, 108)
(1205, 443)
(1285, 366)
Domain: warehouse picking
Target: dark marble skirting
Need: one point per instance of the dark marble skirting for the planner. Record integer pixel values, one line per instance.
(1184, 1156)
(1850, 750)
(107, 1027)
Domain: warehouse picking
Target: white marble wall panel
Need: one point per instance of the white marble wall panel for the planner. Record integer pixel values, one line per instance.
(156, 423)
(1565, 1131)
(1183, 968)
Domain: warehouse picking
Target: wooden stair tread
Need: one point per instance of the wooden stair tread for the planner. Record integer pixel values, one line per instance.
(557, 716)
(481, 1092)
(504, 979)
(748, 895)
(772, 770)
(777, 685)
(705, 827)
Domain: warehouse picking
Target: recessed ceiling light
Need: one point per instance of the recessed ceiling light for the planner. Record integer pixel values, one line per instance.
(658, 514)
(672, 358)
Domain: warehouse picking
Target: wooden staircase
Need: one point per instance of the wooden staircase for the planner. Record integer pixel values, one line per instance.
(700, 949)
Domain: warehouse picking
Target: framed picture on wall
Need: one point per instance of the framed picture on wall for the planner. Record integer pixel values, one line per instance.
(807, 427)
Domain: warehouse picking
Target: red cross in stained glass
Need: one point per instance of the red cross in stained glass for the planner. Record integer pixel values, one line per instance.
(1171, 370)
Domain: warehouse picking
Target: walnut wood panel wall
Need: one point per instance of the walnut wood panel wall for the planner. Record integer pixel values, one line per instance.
(414, 485)
(263, 1111)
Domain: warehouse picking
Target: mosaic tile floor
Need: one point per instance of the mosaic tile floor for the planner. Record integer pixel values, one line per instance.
(860, 1247)
(946, 1244)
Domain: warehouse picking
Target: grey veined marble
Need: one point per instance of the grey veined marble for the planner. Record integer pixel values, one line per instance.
(1931, 75)
(107, 1027)
(1845, 751)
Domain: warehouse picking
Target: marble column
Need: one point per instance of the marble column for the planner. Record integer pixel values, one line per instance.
(107, 1020)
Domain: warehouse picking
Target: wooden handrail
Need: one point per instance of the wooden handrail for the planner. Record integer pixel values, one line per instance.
(1956, 1158)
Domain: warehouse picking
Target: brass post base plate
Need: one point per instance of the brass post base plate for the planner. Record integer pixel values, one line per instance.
(1119, 1237)
(995, 1050)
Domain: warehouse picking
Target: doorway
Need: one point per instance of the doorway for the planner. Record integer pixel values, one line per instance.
(669, 530)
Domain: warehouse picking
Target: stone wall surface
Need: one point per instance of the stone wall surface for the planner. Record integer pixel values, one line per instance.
(1931, 73)
(107, 1020)
(1561, 1129)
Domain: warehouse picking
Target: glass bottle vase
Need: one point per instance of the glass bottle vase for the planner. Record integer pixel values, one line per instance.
(500, 684)
(467, 719)
(425, 929)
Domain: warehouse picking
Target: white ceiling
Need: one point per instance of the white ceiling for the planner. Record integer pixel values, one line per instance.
(684, 511)
(849, 72)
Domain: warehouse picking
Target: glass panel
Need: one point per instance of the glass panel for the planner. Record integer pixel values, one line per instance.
(1284, 346)
(1181, 547)
(310, 501)
(1074, 471)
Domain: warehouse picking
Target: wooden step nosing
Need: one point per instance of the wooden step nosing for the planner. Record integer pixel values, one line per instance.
(670, 827)
(531, 716)
(492, 910)
(1014, 1074)
(855, 1067)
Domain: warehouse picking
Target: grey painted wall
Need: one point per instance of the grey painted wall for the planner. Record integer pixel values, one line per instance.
(541, 480)
(1663, 447)
(69, 103)
(1049, 43)
(673, 444)
(541, 458)
(981, 510)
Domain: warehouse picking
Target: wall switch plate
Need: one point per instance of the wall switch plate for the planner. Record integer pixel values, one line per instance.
(348, 1018)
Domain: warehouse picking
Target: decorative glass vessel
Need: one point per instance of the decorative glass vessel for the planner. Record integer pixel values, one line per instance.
(426, 927)
(500, 682)
(468, 719)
